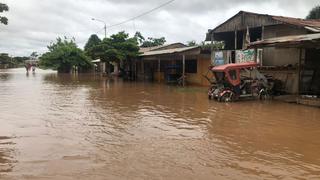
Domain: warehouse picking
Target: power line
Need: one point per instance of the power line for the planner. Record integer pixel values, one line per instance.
(141, 15)
(134, 18)
(99, 31)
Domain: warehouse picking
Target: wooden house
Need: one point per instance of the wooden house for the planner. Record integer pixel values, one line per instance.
(169, 63)
(282, 62)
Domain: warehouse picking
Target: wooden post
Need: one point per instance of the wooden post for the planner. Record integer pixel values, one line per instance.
(211, 41)
(262, 38)
(142, 69)
(235, 46)
(103, 68)
(235, 40)
(159, 69)
(256, 55)
(211, 51)
(299, 72)
(135, 70)
(183, 69)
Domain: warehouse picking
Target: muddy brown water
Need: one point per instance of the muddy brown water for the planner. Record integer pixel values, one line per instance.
(87, 127)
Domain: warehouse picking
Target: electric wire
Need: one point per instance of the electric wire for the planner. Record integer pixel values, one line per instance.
(141, 15)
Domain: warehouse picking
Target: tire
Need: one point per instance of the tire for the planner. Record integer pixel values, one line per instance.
(210, 93)
(227, 97)
(263, 94)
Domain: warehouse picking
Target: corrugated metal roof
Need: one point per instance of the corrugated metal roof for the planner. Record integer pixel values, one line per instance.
(169, 51)
(297, 41)
(146, 49)
(312, 25)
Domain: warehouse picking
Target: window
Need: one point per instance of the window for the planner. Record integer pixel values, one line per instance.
(191, 66)
(219, 76)
(233, 74)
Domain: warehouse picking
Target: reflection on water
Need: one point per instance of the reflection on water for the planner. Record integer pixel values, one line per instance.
(89, 127)
(6, 155)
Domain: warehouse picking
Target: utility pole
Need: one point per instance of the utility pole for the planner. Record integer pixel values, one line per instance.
(105, 26)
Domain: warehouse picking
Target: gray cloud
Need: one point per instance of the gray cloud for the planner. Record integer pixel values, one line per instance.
(33, 24)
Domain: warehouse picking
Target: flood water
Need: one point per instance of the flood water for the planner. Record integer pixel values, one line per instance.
(87, 127)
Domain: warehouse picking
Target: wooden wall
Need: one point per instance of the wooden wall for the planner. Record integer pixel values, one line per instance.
(203, 63)
(281, 56)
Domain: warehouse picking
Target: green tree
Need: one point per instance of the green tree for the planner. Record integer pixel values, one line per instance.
(216, 45)
(3, 8)
(63, 55)
(118, 48)
(314, 13)
(139, 37)
(92, 42)
(192, 43)
(34, 55)
(150, 41)
(5, 59)
(20, 60)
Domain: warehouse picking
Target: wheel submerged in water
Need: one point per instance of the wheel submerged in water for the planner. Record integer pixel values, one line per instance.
(263, 95)
(211, 93)
(227, 97)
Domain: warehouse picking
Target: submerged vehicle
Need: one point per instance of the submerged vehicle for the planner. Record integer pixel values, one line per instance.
(241, 80)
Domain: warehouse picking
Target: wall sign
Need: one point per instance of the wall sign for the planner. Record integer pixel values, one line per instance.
(218, 58)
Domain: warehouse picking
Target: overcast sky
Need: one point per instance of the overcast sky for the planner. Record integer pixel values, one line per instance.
(33, 24)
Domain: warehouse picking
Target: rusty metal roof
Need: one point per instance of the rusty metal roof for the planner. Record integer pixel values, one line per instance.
(239, 21)
(312, 25)
(166, 46)
(290, 41)
(169, 51)
(146, 49)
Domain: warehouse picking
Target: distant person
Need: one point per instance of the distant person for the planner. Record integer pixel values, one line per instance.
(33, 68)
(29, 67)
(26, 66)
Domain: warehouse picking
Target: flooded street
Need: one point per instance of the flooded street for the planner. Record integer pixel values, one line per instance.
(86, 127)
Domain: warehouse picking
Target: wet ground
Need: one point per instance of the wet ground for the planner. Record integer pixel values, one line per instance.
(86, 127)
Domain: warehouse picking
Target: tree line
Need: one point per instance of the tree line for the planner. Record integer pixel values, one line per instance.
(64, 54)
(3, 8)
(11, 62)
